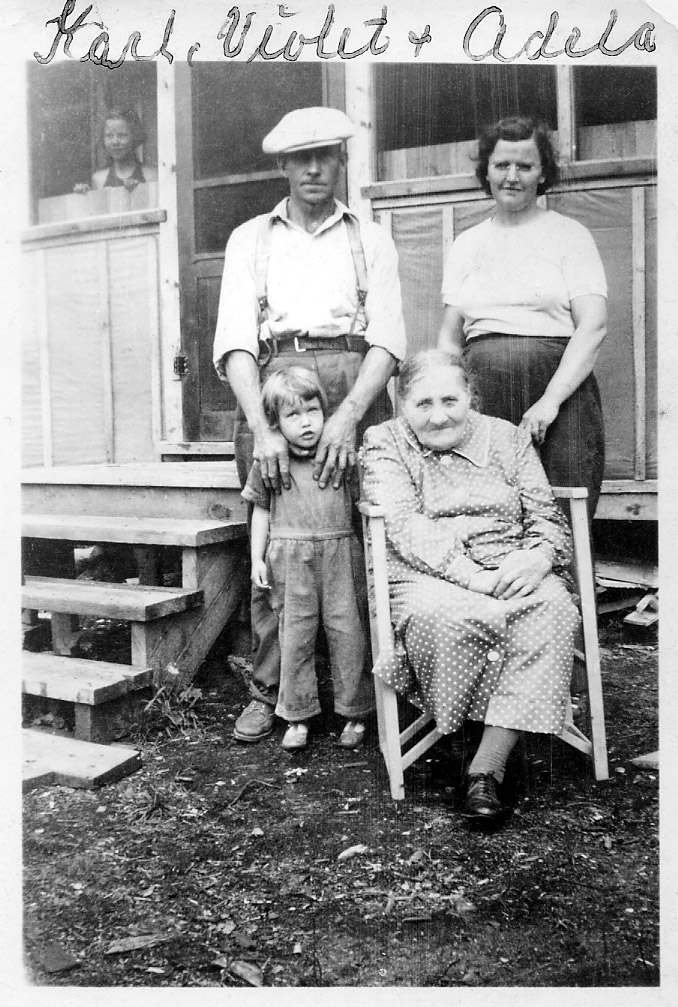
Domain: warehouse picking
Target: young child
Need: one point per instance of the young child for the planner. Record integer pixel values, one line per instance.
(305, 552)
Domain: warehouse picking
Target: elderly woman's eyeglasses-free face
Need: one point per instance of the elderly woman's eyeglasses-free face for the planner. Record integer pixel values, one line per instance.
(436, 407)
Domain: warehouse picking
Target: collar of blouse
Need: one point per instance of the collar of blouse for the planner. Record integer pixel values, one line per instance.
(474, 446)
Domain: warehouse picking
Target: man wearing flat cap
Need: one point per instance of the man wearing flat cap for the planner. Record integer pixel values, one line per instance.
(309, 285)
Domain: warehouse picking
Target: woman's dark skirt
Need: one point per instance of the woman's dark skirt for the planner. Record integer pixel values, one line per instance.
(510, 373)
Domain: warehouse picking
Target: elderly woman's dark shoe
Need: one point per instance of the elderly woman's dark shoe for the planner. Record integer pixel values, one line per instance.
(482, 805)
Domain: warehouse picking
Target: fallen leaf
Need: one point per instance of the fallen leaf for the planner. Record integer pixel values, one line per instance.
(244, 941)
(54, 958)
(460, 905)
(134, 943)
(352, 851)
(252, 974)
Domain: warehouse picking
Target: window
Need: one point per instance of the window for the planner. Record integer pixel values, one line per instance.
(615, 111)
(66, 109)
(234, 106)
(427, 115)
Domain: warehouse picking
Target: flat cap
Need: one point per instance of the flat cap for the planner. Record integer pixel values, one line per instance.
(308, 127)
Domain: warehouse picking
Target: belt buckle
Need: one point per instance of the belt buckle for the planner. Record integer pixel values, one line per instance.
(298, 348)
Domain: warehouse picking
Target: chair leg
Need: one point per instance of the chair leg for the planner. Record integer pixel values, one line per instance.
(580, 534)
(389, 736)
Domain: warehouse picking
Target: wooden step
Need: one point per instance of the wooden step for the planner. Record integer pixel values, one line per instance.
(75, 680)
(52, 759)
(104, 698)
(207, 491)
(138, 603)
(136, 531)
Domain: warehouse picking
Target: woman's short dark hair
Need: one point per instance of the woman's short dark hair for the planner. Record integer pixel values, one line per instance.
(129, 116)
(412, 368)
(513, 128)
(285, 387)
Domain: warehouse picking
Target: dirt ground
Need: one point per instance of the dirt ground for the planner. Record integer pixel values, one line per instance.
(218, 863)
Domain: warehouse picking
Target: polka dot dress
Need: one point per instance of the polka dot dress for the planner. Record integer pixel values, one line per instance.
(465, 654)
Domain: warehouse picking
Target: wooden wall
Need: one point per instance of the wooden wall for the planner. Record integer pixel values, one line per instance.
(622, 218)
(91, 347)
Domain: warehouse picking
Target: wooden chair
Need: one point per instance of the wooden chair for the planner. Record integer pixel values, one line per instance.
(399, 748)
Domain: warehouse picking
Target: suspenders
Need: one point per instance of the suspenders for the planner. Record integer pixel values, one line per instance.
(263, 252)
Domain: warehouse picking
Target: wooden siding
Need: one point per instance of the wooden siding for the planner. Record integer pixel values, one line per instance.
(91, 377)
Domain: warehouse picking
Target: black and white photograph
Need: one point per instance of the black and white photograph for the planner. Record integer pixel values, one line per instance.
(340, 352)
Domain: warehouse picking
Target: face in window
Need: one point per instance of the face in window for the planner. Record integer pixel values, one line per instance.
(313, 174)
(514, 172)
(437, 406)
(301, 423)
(118, 139)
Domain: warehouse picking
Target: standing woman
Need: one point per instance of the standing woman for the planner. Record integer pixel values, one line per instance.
(525, 298)
(122, 134)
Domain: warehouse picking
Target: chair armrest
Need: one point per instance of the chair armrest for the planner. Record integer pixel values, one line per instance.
(570, 492)
(370, 510)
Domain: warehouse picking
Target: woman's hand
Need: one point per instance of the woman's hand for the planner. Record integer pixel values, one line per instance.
(259, 578)
(520, 573)
(539, 417)
(484, 581)
(82, 188)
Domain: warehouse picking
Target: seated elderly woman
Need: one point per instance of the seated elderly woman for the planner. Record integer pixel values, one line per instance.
(483, 620)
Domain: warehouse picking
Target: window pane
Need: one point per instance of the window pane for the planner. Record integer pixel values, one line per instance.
(66, 109)
(218, 210)
(615, 111)
(440, 106)
(236, 105)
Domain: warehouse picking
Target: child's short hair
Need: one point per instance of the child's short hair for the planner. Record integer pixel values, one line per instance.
(284, 388)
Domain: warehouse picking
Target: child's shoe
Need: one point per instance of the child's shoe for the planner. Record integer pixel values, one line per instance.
(295, 736)
(352, 735)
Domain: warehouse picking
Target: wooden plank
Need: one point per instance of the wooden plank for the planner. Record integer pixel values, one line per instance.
(70, 763)
(136, 602)
(154, 334)
(222, 579)
(75, 680)
(116, 501)
(92, 225)
(169, 336)
(148, 564)
(638, 328)
(359, 97)
(448, 229)
(104, 298)
(566, 141)
(199, 475)
(186, 642)
(65, 632)
(136, 531)
(168, 449)
(629, 571)
(617, 168)
(43, 349)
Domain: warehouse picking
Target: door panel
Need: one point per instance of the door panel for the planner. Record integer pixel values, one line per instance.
(223, 112)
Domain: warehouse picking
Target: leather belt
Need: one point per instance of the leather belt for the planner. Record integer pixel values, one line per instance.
(276, 346)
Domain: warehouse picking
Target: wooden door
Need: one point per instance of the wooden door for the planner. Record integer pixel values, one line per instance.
(223, 112)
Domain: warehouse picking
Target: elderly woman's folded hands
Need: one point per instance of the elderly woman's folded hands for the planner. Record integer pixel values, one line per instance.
(519, 574)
